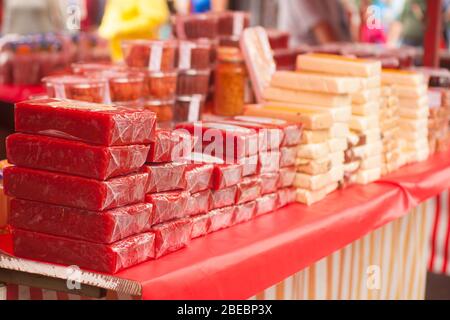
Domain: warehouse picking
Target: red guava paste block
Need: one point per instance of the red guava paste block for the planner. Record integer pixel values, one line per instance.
(198, 177)
(248, 189)
(287, 177)
(269, 161)
(170, 146)
(223, 140)
(168, 205)
(288, 156)
(96, 226)
(267, 203)
(171, 236)
(74, 157)
(199, 203)
(88, 122)
(269, 137)
(108, 258)
(200, 225)
(269, 182)
(221, 218)
(165, 176)
(223, 197)
(292, 132)
(286, 196)
(244, 212)
(73, 191)
(249, 165)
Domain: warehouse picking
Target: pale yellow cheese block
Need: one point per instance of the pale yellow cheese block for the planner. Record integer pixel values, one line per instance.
(308, 120)
(335, 64)
(413, 102)
(366, 109)
(372, 135)
(309, 197)
(312, 182)
(362, 123)
(417, 145)
(337, 144)
(306, 97)
(368, 150)
(336, 158)
(411, 125)
(313, 151)
(339, 130)
(371, 162)
(315, 136)
(336, 173)
(370, 82)
(338, 114)
(368, 176)
(352, 167)
(412, 135)
(413, 113)
(313, 167)
(314, 82)
(365, 96)
(411, 92)
(401, 77)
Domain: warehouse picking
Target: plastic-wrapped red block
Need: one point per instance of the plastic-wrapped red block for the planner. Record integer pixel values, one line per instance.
(269, 137)
(267, 203)
(165, 176)
(223, 140)
(171, 236)
(288, 156)
(244, 212)
(74, 191)
(287, 177)
(268, 161)
(108, 258)
(88, 122)
(221, 218)
(248, 189)
(249, 165)
(170, 146)
(96, 226)
(286, 196)
(74, 157)
(199, 203)
(269, 182)
(200, 225)
(292, 132)
(198, 177)
(168, 205)
(223, 197)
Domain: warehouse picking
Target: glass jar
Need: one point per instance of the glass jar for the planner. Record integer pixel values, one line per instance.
(230, 82)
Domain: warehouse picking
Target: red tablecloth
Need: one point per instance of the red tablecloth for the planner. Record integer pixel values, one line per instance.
(241, 261)
(14, 93)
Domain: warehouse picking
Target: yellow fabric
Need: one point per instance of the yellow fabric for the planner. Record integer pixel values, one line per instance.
(131, 19)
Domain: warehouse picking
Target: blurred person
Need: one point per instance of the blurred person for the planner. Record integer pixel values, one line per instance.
(132, 19)
(33, 16)
(409, 28)
(314, 22)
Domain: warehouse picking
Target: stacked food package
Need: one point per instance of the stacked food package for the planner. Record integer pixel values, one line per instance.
(77, 185)
(4, 201)
(412, 91)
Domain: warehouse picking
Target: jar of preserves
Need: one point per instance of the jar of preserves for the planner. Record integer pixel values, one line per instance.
(230, 82)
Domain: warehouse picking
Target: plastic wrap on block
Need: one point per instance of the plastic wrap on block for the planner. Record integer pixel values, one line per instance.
(288, 156)
(96, 226)
(171, 236)
(248, 189)
(165, 176)
(244, 212)
(267, 203)
(249, 165)
(200, 225)
(286, 196)
(74, 157)
(223, 140)
(108, 258)
(168, 205)
(87, 122)
(170, 146)
(198, 177)
(199, 203)
(292, 132)
(221, 218)
(269, 182)
(226, 175)
(268, 161)
(286, 177)
(74, 191)
(223, 197)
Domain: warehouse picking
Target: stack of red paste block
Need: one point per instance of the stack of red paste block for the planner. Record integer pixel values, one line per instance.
(77, 185)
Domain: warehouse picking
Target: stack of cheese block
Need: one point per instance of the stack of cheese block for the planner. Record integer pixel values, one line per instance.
(362, 156)
(413, 111)
(392, 157)
(322, 103)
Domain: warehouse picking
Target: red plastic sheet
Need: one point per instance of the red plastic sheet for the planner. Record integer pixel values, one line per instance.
(16, 93)
(273, 246)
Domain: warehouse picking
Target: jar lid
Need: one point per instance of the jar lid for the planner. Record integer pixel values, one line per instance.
(231, 54)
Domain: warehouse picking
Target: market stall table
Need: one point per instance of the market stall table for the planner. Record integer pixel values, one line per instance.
(269, 248)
